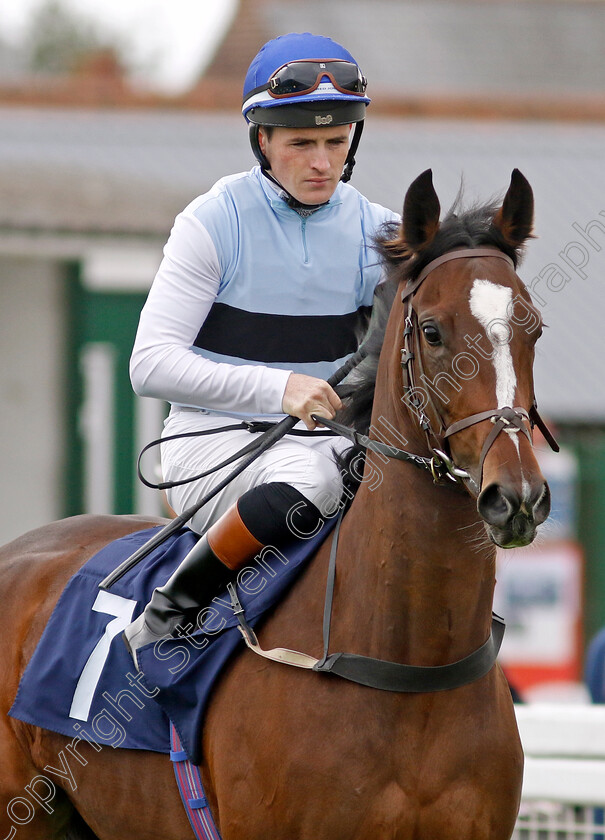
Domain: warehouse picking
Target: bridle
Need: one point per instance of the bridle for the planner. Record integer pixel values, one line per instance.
(440, 463)
(378, 673)
(508, 419)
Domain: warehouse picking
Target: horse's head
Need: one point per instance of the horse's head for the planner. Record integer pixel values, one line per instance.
(468, 348)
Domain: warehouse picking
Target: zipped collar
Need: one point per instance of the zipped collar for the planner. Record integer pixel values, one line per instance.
(278, 197)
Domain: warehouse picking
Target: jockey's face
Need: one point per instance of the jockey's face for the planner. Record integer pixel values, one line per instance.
(307, 162)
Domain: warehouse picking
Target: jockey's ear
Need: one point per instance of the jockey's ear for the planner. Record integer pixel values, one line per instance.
(420, 213)
(515, 219)
(262, 140)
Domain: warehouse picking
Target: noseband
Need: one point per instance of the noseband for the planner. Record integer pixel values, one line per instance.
(506, 419)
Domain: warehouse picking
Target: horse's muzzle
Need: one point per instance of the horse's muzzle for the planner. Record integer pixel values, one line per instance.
(510, 518)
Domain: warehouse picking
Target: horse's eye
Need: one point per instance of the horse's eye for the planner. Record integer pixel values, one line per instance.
(431, 334)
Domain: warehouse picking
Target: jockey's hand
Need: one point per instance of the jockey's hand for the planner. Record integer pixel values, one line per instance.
(306, 395)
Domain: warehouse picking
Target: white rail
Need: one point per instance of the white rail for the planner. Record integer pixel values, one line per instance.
(564, 779)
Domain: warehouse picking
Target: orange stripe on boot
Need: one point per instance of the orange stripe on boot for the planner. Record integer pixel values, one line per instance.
(231, 540)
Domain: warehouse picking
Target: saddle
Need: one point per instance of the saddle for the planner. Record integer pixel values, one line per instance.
(81, 680)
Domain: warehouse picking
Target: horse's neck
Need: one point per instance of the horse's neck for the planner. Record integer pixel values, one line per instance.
(415, 568)
(413, 585)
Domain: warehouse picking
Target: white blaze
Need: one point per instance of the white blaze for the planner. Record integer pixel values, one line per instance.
(490, 304)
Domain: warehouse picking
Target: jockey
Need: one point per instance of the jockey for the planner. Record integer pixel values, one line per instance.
(264, 291)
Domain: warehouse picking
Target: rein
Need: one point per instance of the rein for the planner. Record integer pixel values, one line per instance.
(439, 465)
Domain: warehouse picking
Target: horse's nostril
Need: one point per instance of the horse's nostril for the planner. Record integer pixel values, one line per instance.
(495, 507)
(541, 504)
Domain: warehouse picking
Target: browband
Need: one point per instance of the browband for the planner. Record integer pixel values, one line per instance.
(454, 255)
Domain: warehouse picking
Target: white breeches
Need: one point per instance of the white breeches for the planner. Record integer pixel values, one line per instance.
(305, 462)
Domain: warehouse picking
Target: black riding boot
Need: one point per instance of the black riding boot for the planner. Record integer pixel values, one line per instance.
(227, 546)
(192, 585)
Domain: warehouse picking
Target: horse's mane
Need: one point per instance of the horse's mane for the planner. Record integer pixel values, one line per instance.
(462, 227)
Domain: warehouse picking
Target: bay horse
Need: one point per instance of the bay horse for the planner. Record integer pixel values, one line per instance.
(288, 753)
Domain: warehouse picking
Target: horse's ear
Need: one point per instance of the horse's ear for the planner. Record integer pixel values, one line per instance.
(515, 219)
(420, 212)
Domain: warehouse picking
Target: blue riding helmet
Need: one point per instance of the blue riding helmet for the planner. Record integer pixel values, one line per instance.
(301, 80)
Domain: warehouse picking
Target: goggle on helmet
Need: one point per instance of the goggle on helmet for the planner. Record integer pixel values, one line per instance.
(304, 81)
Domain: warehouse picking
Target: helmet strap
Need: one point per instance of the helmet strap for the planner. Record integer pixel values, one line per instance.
(350, 161)
(292, 202)
(255, 143)
(265, 166)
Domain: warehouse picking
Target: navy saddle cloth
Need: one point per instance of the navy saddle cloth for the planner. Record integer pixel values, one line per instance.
(81, 681)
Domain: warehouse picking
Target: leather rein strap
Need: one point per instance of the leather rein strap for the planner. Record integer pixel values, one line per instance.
(366, 670)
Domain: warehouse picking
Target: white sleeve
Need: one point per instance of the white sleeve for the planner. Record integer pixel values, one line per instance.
(162, 364)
